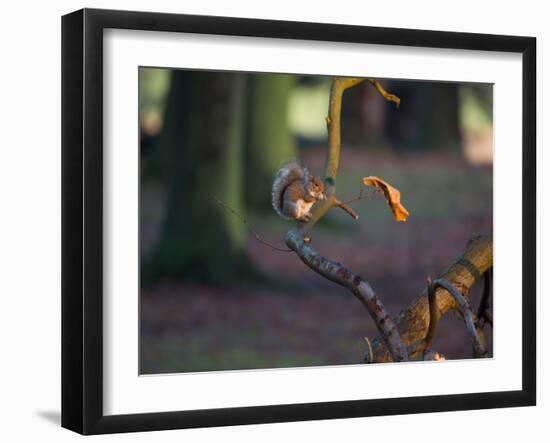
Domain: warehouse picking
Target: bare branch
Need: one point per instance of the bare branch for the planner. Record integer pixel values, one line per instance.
(479, 350)
(359, 287)
(241, 218)
(363, 195)
(347, 209)
(384, 93)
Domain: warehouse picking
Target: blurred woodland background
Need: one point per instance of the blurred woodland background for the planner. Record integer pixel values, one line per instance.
(213, 297)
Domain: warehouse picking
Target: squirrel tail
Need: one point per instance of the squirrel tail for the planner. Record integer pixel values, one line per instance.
(287, 174)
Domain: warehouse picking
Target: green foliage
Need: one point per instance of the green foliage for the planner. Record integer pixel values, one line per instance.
(308, 109)
(476, 105)
(154, 84)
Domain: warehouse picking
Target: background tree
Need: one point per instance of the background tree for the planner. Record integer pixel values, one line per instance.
(269, 142)
(204, 128)
(428, 118)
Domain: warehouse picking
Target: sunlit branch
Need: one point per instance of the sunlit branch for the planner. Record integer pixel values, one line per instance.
(413, 321)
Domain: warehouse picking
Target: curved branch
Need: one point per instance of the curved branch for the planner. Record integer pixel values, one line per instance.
(359, 287)
(369, 356)
(412, 322)
(479, 350)
(384, 93)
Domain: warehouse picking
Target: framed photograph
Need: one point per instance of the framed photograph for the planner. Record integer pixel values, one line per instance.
(268, 221)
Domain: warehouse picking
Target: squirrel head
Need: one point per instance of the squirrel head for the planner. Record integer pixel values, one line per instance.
(316, 188)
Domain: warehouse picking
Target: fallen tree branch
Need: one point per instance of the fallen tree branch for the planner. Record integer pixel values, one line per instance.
(412, 322)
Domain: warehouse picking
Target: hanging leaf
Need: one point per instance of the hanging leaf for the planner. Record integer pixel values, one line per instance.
(393, 197)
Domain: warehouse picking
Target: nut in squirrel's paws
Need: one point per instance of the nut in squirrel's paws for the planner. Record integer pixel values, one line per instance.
(306, 217)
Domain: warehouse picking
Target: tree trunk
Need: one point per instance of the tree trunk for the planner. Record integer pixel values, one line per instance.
(445, 123)
(428, 116)
(269, 141)
(200, 240)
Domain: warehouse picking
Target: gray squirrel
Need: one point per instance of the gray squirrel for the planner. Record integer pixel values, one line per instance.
(295, 191)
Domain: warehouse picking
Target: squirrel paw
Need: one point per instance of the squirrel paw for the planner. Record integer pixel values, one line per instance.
(306, 217)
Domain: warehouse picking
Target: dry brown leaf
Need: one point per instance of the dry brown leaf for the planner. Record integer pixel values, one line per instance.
(393, 196)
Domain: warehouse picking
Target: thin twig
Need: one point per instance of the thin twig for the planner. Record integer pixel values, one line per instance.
(488, 317)
(347, 209)
(363, 195)
(359, 197)
(252, 232)
(384, 93)
(369, 356)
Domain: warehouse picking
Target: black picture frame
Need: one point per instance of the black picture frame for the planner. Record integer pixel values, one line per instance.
(82, 220)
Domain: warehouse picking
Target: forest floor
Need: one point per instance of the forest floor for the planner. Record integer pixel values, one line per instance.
(303, 319)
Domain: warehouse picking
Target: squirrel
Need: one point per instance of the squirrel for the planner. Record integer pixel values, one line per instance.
(295, 191)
